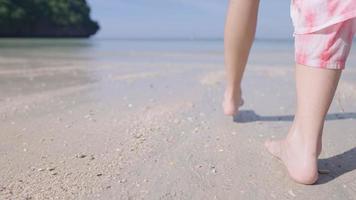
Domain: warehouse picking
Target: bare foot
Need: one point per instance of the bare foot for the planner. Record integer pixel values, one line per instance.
(231, 103)
(301, 168)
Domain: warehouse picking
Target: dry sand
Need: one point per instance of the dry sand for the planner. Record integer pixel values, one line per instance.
(75, 128)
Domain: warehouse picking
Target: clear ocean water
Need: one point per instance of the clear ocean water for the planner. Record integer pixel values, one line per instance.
(276, 52)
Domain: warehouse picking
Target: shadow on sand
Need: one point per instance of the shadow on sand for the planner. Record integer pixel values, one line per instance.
(246, 116)
(336, 165)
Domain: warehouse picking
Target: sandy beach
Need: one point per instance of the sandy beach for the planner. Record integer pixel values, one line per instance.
(112, 120)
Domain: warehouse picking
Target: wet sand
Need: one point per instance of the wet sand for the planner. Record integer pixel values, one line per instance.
(80, 124)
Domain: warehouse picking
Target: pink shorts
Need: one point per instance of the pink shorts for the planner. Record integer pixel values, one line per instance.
(327, 48)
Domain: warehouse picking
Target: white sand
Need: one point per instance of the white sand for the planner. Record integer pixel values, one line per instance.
(99, 130)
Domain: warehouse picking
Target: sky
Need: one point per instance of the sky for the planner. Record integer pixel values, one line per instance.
(182, 18)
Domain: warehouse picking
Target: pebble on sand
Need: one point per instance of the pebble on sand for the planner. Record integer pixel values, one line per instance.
(51, 168)
(196, 130)
(81, 156)
(124, 180)
(323, 171)
(291, 193)
(213, 169)
(198, 166)
(138, 135)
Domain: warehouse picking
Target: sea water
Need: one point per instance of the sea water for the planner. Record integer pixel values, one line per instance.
(264, 51)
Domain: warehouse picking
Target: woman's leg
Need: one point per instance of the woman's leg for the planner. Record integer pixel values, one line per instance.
(240, 30)
(301, 148)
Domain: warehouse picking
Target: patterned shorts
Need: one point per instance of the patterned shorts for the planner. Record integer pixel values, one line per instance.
(327, 48)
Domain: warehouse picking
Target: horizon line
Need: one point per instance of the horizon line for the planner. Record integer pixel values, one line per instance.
(185, 38)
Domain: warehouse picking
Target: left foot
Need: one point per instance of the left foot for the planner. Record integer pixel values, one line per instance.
(231, 103)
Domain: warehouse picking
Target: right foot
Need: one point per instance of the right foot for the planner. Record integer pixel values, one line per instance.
(301, 168)
(231, 103)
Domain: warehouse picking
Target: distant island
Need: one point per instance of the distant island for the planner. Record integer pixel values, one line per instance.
(46, 18)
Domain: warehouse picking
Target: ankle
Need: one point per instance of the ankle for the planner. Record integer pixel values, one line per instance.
(302, 143)
(307, 125)
(232, 92)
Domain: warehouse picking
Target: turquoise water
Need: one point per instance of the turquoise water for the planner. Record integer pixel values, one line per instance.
(32, 65)
(137, 44)
(277, 52)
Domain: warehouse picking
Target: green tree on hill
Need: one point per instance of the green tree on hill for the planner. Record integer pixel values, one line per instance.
(46, 18)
